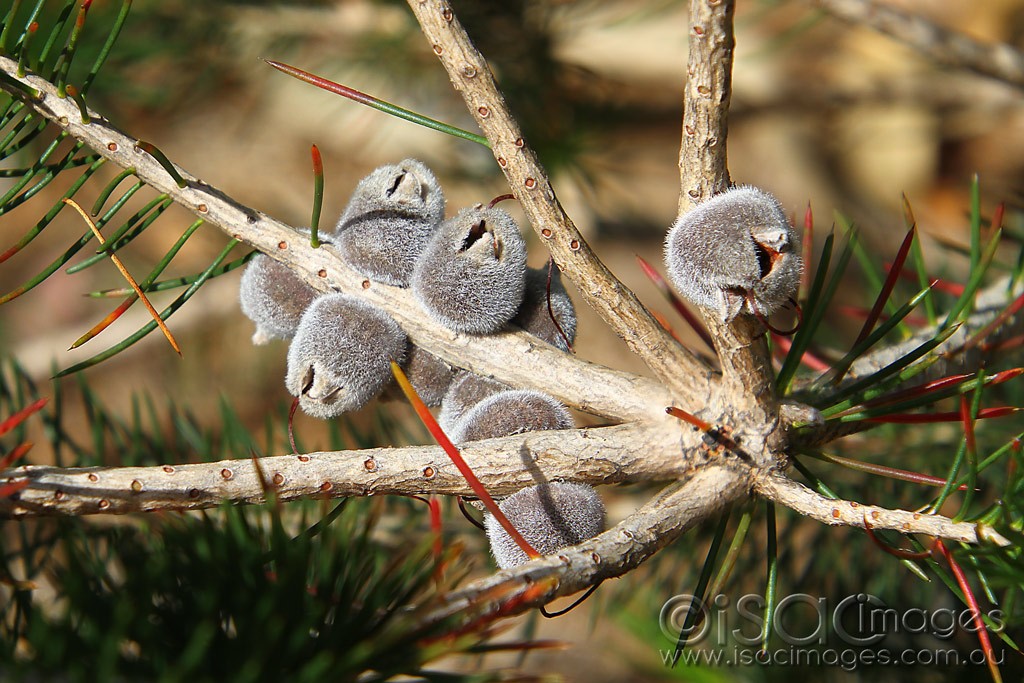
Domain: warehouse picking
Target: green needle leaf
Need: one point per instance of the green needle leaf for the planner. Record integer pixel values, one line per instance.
(8, 23)
(802, 339)
(115, 31)
(70, 251)
(129, 230)
(54, 210)
(772, 584)
(977, 275)
(378, 104)
(174, 283)
(901, 368)
(919, 264)
(151, 325)
(133, 296)
(840, 368)
(693, 611)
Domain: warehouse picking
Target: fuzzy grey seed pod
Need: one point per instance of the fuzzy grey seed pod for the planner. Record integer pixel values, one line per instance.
(735, 252)
(389, 220)
(549, 517)
(534, 316)
(470, 277)
(273, 297)
(340, 356)
(429, 375)
(511, 412)
(465, 391)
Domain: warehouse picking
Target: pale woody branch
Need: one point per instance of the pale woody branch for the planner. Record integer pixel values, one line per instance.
(661, 521)
(850, 513)
(746, 393)
(651, 447)
(945, 46)
(703, 167)
(657, 524)
(674, 365)
(604, 455)
(593, 388)
(748, 383)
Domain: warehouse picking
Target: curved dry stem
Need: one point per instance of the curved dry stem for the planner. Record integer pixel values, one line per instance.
(675, 365)
(659, 522)
(798, 497)
(513, 357)
(1000, 61)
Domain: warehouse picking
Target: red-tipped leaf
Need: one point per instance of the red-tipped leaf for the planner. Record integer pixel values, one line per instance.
(22, 415)
(972, 604)
(677, 304)
(442, 439)
(954, 416)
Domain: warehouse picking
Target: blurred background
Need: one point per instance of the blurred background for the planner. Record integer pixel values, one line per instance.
(823, 113)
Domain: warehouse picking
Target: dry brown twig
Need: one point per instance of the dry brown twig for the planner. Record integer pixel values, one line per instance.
(945, 46)
(648, 446)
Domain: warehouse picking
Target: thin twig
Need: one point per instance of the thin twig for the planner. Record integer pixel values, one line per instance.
(604, 455)
(741, 345)
(798, 497)
(587, 386)
(945, 46)
(703, 171)
(676, 366)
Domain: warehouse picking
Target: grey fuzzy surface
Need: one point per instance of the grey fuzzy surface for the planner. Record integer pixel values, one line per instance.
(534, 316)
(510, 412)
(471, 279)
(549, 517)
(465, 391)
(429, 375)
(346, 347)
(273, 297)
(389, 219)
(712, 255)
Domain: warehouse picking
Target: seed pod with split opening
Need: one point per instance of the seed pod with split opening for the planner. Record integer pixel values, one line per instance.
(470, 277)
(511, 412)
(389, 220)
(274, 298)
(549, 517)
(465, 391)
(340, 356)
(735, 253)
(534, 315)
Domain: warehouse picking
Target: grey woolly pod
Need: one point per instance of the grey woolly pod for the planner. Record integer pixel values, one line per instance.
(511, 412)
(429, 375)
(470, 277)
(465, 391)
(389, 220)
(340, 356)
(549, 517)
(735, 252)
(534, 316)
(273, 297)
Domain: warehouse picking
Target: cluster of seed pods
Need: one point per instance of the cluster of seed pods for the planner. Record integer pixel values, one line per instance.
(469, 274)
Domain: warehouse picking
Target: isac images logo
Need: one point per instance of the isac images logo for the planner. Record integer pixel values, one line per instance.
(804, 630)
